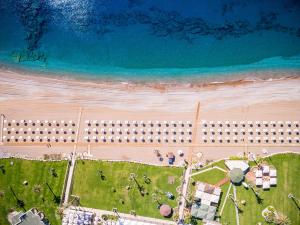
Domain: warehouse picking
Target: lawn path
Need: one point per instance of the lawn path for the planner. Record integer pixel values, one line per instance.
(225, 200)
(236, 209)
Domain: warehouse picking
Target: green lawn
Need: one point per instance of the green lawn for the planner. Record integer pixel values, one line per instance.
(288, 171)
(36, 173)
(97, 193)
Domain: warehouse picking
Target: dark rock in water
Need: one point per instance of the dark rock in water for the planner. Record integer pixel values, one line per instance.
(26, 55)
(34, 17)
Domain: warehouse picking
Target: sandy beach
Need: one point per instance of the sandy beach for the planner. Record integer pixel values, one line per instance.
(36, 97)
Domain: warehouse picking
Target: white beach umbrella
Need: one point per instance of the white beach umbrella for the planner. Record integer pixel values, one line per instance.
(87, 122)
(86, 129)
(102, 122)
(13, 121)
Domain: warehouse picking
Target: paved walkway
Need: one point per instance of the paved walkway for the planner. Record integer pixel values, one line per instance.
(225, 200)
(73, 160)
(1, 127)
(236, 209)
(184, 192)
(100, 212)
(208, 169)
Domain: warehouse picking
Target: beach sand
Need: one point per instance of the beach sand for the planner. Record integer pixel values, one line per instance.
(37, 97)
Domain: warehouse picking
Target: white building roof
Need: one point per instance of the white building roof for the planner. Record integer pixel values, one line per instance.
(231, 164)
(266, 169)
(266, 184)
(258, 181)
(258, 173)
(273, 173)
(273, 181)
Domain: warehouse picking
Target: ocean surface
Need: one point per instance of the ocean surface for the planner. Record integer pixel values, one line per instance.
(150, 39)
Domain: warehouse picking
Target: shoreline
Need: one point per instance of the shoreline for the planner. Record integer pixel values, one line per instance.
(15, 87)
(190, 82)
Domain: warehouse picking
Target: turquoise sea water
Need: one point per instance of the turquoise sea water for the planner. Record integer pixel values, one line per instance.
(143, 39)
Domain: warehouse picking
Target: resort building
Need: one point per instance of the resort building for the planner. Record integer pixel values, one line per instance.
(31, 217)
(206, 202)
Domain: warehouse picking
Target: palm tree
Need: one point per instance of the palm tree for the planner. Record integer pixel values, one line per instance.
(100, 173)
(20, 203)
(295, 200)
(236, 203)
(56, 198)
(37, 188)
(147, 180)
(2, 168)
(156, 198)
(53, 172)
(281, 219)
(133, 177)
(256, 193)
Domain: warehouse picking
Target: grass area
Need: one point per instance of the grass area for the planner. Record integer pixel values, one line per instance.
(111, 191)
(288, 170)
(228, 215)
(36, 173)
(220, 163)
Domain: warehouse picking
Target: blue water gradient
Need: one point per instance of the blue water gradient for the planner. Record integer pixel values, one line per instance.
(150, 39)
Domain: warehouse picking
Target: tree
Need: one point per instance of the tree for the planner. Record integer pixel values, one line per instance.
(1, 193)
(147, 180)
(56, 198)
(156, 198)
(2, 168)
(20, 203)
(281, 219)
(295, 200)
(37, 188)
(100, 173)
(236, 203)
(257, 194)
(133, 177)
(53, 172)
